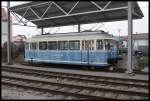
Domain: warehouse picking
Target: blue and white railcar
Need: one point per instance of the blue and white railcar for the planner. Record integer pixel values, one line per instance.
(84, 48)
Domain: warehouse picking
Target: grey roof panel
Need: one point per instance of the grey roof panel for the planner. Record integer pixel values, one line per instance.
(57, 16)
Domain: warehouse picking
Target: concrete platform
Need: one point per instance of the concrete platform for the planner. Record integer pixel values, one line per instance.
(106, 74)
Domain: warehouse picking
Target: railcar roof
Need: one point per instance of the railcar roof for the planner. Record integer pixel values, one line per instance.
(74, 34)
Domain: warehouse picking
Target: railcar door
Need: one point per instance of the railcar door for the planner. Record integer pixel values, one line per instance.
(87, 46)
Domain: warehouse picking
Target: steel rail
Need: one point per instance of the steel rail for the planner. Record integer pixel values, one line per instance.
(82, 75)
(118, 70)
(133, 93)
(73, 78)
(52, 91)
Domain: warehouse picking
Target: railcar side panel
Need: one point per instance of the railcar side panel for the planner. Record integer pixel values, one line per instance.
(98, 58)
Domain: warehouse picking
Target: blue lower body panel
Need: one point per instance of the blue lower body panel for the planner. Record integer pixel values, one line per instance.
(90, 58)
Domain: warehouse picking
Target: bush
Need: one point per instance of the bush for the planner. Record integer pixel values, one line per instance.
(143, 62)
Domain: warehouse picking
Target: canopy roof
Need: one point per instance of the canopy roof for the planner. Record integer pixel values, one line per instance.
(61, 13)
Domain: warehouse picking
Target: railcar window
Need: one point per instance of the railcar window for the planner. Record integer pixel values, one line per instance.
(63, 45)
(52, 45)
(33, 46)
(99, 44)
(88, 45)
(74, 45)
(27, 45)
(43, 46)
(107, 44)
(92, 44)
(83, 46)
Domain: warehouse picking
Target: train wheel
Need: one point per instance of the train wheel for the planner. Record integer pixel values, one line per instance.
(92, 68)
(86, 68)
(111, 68)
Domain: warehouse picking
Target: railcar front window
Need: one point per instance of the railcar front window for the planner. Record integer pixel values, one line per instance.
(43, 46)
(63, 45)
(74, 45)
(107, 44)
(112, 44)
(99, 44)
(52, 45)
(27, 46)
(33, 46)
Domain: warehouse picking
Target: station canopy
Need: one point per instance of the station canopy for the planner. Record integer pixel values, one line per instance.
(62, 13)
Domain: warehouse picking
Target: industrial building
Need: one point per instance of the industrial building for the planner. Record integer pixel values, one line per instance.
(140, 42)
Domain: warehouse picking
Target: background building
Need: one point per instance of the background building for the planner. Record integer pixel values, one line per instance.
(4, 27)
(140, 42)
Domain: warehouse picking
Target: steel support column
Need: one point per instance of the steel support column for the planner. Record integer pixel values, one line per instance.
(9, 35)
(130, 30)
(79, 29)
(42, 32)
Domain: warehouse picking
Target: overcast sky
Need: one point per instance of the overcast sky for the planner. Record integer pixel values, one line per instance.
(139, 26)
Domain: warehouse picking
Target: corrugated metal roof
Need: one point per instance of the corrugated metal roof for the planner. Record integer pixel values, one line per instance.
(140, 36)
(61, 13)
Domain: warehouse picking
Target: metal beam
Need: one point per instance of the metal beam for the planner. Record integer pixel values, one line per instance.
(93, 26)
(9, 36)
(134, 13)
(99, 27)
(79, 28)
(24, 13)
(107, 5)
(47, 9)
(30, 6)
(17, 18)
(81, 13)
(22, 25)
(35, 13)
(130, 23)
(42, 31)
(60, 8)
(96, 5)
(51, 29)
(73, 7)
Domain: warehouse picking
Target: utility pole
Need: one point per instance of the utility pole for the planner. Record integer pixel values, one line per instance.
(130, 25)
(119, 37)
(9, 35)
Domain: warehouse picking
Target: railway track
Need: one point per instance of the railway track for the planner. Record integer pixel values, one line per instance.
(45, 87)
(79, 77)
(140, 85)
(60, 88)
(118, 70)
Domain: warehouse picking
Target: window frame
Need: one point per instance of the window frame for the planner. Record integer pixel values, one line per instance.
(56, 45)
(32, 47)
(61, 45)
(74, 41)
(106, 46)
(97, 44)
(26, 46)
(42, 46)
